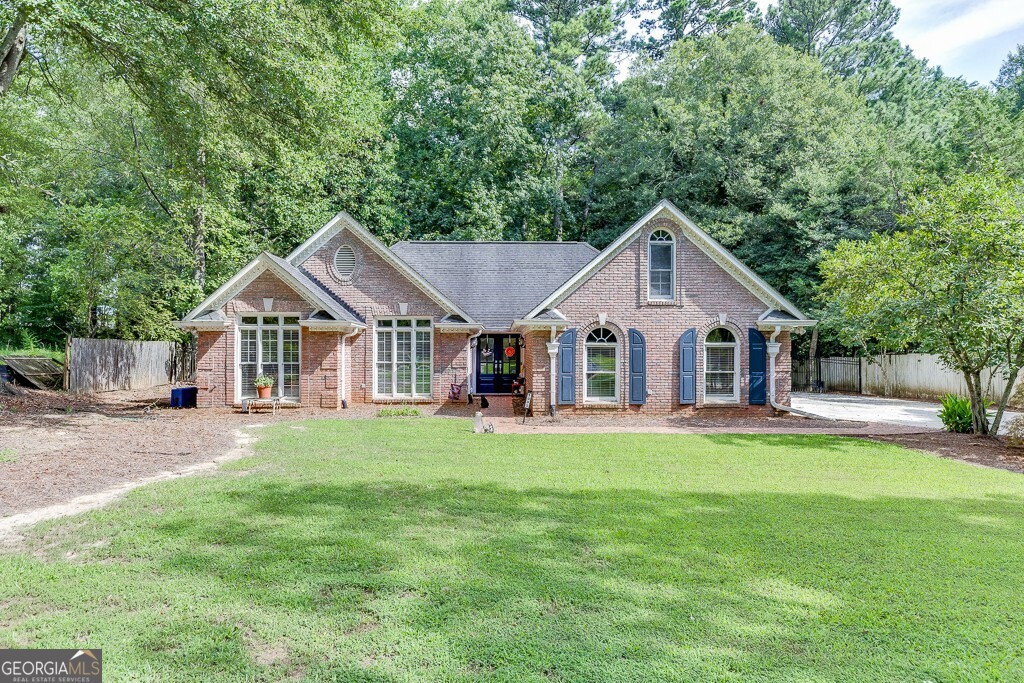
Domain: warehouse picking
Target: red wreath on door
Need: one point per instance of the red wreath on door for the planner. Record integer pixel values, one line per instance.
(510, 351)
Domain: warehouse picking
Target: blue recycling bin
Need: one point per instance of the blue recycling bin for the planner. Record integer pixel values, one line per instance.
(184, 397)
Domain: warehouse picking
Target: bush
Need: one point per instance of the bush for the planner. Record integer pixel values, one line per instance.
(956, 414)
(404, 411)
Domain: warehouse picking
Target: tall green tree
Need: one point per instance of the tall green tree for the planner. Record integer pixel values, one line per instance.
(663, 22)
(468, 94)
(757, 144)
(843, 34)
(576, 40)
(1010, 82)
(952, 284)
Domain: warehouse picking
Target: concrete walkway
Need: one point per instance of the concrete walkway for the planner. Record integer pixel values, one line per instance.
(922, 414)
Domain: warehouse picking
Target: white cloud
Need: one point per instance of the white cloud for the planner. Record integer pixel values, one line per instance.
(945, 40)
(964, 37)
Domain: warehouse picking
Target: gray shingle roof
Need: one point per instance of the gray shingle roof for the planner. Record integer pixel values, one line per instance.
(548, 314)
(780, 315)
(338, 309)
(211, 316)
(496, 282)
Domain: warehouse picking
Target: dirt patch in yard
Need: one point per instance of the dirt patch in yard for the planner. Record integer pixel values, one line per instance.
(55, 447)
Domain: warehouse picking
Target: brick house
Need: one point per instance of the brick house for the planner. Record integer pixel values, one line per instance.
(663, 319)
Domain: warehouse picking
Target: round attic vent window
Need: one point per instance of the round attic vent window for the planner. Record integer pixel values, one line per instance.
(345, 262)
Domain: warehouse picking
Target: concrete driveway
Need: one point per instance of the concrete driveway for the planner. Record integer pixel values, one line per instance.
(923, 414)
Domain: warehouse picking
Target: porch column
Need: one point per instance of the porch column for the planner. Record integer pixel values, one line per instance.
(553, 355)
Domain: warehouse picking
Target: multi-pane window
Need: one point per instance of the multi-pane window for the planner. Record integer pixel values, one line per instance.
(661, 262)
(269, 345)
(602, 356)
(404, 357)
(721, 374)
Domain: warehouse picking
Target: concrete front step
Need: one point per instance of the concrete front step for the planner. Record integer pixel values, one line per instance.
(497, 405)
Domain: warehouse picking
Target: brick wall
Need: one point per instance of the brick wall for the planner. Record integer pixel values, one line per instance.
(536, 365)
(375, 290)
(704, 291)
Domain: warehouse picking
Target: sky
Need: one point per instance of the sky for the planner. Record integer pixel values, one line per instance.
(969, 38)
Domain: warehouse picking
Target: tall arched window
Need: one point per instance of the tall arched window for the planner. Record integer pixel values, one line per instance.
(602, 376)
(661, 266)
(721, 367)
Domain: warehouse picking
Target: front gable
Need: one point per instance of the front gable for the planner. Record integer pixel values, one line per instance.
(280, 282)
(378, 269)
(631, 246)
(375, 287)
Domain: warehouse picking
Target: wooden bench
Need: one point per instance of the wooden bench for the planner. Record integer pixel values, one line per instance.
(251, 404)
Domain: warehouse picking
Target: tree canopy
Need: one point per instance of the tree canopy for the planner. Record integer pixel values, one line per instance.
(149, 149)
(951, 284)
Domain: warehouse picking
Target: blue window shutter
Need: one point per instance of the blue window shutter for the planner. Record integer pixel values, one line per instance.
(688, 367)
(567, 368)
(758, 368)
(637, 368)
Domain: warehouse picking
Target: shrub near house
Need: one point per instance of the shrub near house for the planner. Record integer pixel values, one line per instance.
(662, 319)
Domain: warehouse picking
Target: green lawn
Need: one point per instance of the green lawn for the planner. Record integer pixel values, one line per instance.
(413, 550)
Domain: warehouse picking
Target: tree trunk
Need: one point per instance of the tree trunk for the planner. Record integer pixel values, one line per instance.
(12, 51)
(558, 216)
(1004, 399)
(197, 244)
(979, 419)
(812, 351)
(197, 241)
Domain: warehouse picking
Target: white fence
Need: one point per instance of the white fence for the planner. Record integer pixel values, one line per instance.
(96, 365)
(920, 375)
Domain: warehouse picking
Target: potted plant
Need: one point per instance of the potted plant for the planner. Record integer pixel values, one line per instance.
(264, 385)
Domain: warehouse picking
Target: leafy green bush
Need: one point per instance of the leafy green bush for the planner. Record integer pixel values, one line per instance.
(956, 414)
(402, 411)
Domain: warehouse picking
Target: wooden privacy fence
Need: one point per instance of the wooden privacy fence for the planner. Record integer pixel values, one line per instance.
(96, 365)
(904, 375)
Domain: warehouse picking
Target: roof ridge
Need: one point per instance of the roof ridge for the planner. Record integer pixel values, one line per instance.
(492, 242)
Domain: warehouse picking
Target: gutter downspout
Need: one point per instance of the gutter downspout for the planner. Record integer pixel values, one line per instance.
(344, 374)
(773, 351)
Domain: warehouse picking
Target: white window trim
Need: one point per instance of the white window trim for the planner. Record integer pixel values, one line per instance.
(599, 400)
(377, 396)
(278, 385)
(735, 345)
(672, 244)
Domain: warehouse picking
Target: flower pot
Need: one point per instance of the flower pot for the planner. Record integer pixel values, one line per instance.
(264, 392)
